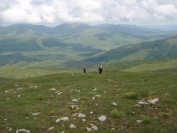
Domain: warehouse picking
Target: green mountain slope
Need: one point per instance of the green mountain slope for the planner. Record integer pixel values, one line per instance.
(113, 102)
(70, 44)
(105, 37)
(159, 49)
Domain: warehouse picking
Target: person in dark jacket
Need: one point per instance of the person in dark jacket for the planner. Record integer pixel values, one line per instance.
(100, 68)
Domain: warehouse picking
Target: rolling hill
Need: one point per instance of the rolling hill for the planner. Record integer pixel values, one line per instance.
(165, 48)
(79, 44)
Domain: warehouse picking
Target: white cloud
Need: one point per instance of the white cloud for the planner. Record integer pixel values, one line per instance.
(89, 11)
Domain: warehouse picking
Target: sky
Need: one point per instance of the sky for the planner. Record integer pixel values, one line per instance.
(55, 12)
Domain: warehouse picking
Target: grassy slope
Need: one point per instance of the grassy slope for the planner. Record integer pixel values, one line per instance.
(158, 65)
(125, 89)
(159, 49)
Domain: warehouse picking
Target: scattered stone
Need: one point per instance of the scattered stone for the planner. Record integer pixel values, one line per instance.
(98, 95)
(62, 132)
(153, 101)
(22, 130)
(102, 118)
(91, 112)
(84, 120)
(80, 115)
(62, 119)
(72, 126)
(142, 102)
(8, 98)
(74, 114)
(59, 93)
(88, 129)
(18, 95)
(36, 113)
(74, 107)
(94, 127)
(53, 89)
(96, 105)
(137, 105)
(51, 128)
(138, 121)
(75, 100)
(95, 89)
(115, 104)
(9, 128)
(18, 89)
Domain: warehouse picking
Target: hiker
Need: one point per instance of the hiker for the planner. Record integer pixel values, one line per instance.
(100, 68)
(84, 69)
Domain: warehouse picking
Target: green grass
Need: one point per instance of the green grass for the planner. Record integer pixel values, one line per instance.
(20, 98)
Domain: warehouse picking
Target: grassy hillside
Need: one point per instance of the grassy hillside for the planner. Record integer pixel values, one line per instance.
(36, 104)
(69, 44)
(159, 49)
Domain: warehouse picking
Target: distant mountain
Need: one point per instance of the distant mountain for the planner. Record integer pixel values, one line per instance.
(63, 29)
(163, 27)
(39, 28)
(70, 28)
(131, 29)
(165, 48)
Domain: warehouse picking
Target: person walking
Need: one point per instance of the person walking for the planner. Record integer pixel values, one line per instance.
(84, 69)
(100, 68)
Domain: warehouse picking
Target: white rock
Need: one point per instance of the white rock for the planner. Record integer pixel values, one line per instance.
(53, 89)
(84, 120)
(115, 104)
(98, 95)
(91, 112)
(62, 119)
(138, 121)
(62, 132)
(36, 113)
(153, 101)
(89, 129)
(18, 89)
(75, 100)
(51, 128)
(22, 130)
(95, 89)
(74, 114)
(18, 95)
(137, 105)
(94, 127)
(142, 102)
(59, 93)
(80, 115)
(74, 106)
(72, 126)
(10, 129)
(102, 118)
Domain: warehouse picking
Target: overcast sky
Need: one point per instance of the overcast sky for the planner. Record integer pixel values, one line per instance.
(55, 12)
